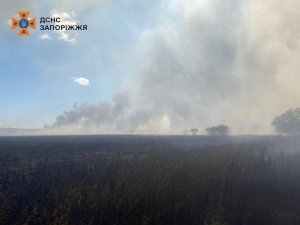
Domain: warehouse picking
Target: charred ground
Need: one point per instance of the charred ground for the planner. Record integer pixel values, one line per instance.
(149, 180)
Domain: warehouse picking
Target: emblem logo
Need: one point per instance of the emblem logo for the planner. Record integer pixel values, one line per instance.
(23, 23)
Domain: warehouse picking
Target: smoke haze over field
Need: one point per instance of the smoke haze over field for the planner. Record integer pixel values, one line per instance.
(203, 63)
(222, 62)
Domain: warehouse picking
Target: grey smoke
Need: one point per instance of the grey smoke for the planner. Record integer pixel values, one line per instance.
(87, 115)
(225, 62)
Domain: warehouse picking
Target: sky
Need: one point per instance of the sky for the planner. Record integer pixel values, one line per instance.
(155, 67)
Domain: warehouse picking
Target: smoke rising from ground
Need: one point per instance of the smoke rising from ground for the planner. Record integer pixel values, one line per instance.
(221, 62)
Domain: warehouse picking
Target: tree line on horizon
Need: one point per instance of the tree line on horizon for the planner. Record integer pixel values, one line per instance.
(288, 123)
(220, 130)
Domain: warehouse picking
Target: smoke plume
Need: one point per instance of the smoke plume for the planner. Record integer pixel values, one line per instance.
(220, 62)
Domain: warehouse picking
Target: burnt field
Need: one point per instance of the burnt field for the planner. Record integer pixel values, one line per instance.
(113, 179)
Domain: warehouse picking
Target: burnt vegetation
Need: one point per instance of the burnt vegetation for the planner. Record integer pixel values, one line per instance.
(149, 180)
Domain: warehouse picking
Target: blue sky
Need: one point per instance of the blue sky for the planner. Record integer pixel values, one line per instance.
(35, 82)
(153, 66)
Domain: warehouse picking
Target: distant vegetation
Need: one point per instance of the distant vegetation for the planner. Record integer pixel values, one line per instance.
(185, 132)
(116, 180)
(288, 123)
(194, 131)
(221, 130)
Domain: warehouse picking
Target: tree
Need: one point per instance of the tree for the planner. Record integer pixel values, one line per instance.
(211, 131)
(221, 130)
(185, 132)
(194, 131)
(288, 122)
